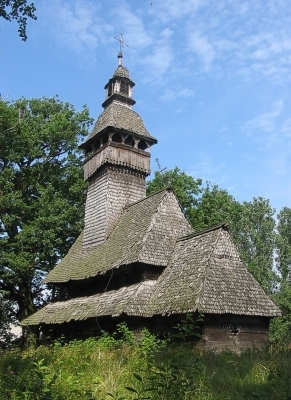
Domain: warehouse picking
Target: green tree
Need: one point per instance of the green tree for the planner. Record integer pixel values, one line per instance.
(18, 10)
(256, 241)
(280, 327)
(7, 316)
(283, 244)
(185, 187)
(215, 206)
(42, 193)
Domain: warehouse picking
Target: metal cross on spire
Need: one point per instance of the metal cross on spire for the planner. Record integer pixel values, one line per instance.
(121, 42)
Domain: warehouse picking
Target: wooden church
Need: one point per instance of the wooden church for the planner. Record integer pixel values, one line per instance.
(138, 259)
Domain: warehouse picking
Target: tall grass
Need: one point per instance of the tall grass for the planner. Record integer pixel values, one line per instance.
(109, 368)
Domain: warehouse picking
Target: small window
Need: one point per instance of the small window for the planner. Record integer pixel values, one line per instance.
(124, 88)
(110, 89)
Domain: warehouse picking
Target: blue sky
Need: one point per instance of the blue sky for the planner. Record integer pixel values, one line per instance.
(212, 79)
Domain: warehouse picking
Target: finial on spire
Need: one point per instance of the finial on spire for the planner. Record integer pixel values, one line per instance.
(121, 46)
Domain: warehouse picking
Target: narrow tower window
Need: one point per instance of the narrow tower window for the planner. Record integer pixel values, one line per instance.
(124, 88)
(110, 89)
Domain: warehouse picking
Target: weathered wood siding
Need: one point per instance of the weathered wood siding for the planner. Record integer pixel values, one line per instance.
(111, 189)
(118, 154)
(234, 332)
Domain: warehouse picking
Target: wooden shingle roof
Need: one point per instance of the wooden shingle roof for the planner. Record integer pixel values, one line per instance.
(206, 274)
(146, 232)
(129, 300)
(119, 116)
(122, 72)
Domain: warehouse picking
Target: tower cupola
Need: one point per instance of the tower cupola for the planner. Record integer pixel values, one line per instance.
(119, 87)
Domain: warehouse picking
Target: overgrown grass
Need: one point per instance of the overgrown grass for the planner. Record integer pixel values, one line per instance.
(110, 368)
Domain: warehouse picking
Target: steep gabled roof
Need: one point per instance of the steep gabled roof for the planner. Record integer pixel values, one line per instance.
(129, 300)
(146, 232)
(119, 116)
(206, 274)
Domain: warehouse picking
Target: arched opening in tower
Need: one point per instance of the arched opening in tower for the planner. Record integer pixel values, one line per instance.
(129, 141)
(142, 145)
(116, 138)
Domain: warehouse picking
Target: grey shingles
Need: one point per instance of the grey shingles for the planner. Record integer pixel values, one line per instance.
(120, 116)
(206, 274)
(121, 71)
(146, 232)
(129, 300)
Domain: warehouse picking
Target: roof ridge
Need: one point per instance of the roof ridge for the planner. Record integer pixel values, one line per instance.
(206, 269)
(145, 198)
(151, 225)
(212, 228)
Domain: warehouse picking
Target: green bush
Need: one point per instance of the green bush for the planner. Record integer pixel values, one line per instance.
(123, 366)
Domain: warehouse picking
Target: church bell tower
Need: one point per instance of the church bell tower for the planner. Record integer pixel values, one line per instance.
(117, 159)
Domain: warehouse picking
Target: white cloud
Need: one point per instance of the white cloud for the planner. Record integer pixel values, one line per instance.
(171, 94)
(208, 169)
(136, 34)
(77, 25)
(230, 37)
(201, 47)
(286, 128)
(158, 61)
(185, 93)
(269, 135)
(168, 11)
(264, 122)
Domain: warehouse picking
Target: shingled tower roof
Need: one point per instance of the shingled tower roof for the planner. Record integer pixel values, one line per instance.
(117, 112)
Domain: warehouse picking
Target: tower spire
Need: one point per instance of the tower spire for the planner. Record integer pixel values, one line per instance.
(121, 42)
(119, 87)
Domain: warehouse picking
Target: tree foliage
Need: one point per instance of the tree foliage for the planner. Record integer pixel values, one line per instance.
(185, 187)
(280, 327)
(18, 10)
(215, 206)
(257, 241)
(283, 242)
(42, 192)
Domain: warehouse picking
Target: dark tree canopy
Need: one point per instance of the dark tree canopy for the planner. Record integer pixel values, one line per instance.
(283, 242)
(215, 206)
(185, 187)
(42, 192)
(257, 241)
(18, 10)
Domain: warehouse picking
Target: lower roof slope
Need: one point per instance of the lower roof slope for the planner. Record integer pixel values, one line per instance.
(146, 232)
(206, 274)
(129, 300)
